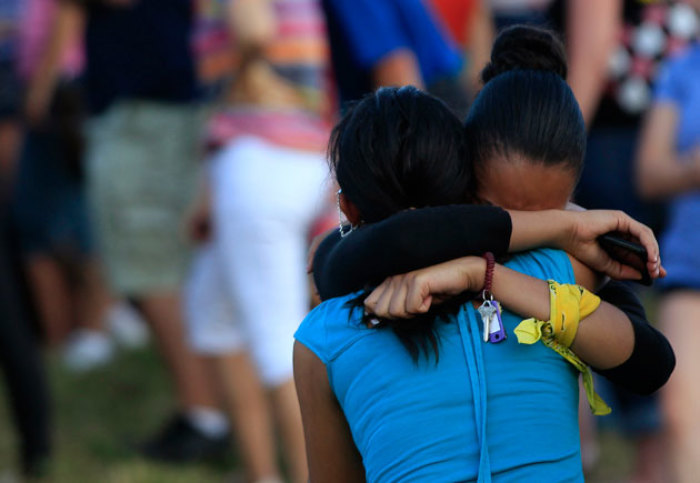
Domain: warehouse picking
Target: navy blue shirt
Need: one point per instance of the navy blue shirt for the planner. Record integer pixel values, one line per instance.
(139, 52)
(362, 32)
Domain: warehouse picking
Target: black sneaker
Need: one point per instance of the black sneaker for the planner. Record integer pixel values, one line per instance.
(180, 442)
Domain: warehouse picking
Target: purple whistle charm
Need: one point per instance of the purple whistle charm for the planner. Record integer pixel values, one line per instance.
(497, 332)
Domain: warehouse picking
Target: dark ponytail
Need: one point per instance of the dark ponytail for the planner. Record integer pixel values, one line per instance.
(526, 109)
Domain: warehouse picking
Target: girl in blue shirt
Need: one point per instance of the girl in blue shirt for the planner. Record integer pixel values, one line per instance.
(415, 403)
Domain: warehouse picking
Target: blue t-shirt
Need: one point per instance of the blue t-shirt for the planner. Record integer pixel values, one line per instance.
(362, 32)
(678, 85)
(507, 408)
(139, 52)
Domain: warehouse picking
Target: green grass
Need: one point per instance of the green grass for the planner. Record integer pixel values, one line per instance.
(100, 417)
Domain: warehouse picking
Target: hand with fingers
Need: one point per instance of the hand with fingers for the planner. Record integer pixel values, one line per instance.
(413, 293)
(582, 243)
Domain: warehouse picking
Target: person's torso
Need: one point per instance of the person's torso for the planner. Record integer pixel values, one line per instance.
(283, 97)
(392, 23)
(652, 32)
(141, 51)
(422, 421)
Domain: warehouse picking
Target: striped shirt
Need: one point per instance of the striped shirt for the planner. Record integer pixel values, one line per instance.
(297, 59)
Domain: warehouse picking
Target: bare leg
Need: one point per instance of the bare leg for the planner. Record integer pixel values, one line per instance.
(679, 313)
(286, 407)
(249, 412)
(189, 371)
(10, 136)
(53, 297)
(93, 298)
(650, 460)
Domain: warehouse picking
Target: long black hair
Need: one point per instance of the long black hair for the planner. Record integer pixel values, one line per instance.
(525, 108)
(400, 148)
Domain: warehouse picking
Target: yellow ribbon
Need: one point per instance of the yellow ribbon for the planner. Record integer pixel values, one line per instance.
(568, 305)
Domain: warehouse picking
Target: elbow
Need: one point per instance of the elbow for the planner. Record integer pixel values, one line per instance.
(663, 376)
(657, 378)
(645, 372)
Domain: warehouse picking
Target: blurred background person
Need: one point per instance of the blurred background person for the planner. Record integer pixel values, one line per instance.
(19, 356)
(141, 166)
(10, 11)
(267, 183)
(669, 169)
(49, 202)
(614, 91)
(644, 35)
(20, 359)
(407, 46)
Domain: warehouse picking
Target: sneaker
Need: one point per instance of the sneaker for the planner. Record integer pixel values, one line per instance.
(180, 442)
(87, 350)
(127, 326)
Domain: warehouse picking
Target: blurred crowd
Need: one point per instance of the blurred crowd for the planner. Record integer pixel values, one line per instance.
(162, 173)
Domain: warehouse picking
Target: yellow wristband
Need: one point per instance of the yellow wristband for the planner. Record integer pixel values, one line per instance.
(569, 304)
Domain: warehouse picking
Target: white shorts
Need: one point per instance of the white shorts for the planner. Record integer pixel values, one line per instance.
(248, 287)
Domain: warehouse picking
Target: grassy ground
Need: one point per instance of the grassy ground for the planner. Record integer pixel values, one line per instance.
(100, 417)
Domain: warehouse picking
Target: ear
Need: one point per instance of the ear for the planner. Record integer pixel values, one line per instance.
(350, 210)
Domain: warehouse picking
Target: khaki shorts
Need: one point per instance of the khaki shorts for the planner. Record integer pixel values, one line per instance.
(142, 172)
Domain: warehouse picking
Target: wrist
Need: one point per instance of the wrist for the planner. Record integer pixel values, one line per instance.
(564, 223)
(475, 272)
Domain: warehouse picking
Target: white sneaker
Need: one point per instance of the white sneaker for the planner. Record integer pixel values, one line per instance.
(127, 326)
(87, 350)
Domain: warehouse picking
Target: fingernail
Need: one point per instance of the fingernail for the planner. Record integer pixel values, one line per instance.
(374, 321)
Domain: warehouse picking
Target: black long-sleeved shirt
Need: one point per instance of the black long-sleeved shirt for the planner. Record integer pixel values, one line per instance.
(419, 238)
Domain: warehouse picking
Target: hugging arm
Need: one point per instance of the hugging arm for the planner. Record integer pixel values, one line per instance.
(331, 452)
(617, 341)
(419, 238)
(604, 339)
(407, 241)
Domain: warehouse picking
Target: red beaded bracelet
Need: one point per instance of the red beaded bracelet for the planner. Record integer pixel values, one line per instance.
(488, 276)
